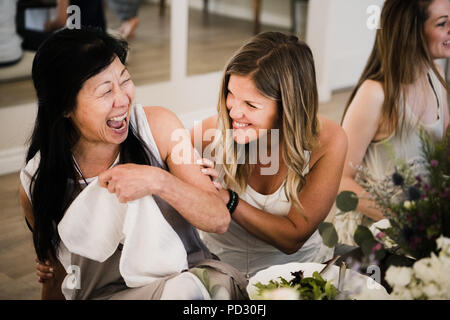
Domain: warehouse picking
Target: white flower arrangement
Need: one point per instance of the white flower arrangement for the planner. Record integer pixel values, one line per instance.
(428, 279)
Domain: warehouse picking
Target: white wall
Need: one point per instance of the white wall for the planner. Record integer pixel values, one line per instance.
(351, 41)
(340, 40)
(16, 123)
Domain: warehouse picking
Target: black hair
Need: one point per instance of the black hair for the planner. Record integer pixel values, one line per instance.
(61, 65)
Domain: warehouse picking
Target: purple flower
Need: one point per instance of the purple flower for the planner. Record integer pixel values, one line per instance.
(377, 247)
(381, 235)
(434, 163)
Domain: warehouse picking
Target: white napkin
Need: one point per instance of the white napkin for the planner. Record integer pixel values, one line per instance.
(376, 227)
(380, 224)
(96, 222)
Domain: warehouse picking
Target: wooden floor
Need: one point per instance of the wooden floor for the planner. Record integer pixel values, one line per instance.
(17, 265)
(209, 49)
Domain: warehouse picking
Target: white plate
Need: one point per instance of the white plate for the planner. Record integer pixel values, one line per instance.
(360, 287)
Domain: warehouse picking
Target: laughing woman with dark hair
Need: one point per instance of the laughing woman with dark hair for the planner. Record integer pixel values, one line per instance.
(86, 124)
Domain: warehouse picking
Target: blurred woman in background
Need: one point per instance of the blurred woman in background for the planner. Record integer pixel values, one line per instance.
(400, 92)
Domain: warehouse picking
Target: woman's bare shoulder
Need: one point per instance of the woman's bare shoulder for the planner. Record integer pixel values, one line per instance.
(163, 123)
(332, 140)
(364, 113)
(371, 92)
(157, 113)
(210, 123)
(204, 131)
(331, 133)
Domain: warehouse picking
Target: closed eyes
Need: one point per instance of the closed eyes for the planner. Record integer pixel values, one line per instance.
(122, 83)
(228, 92)
(248, 103)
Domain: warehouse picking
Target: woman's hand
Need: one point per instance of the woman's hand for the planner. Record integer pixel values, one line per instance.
(208, 169)
(131, 181)
(44, 271)
(225, 195)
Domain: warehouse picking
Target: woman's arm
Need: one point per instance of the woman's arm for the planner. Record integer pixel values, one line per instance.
(203, 132)
(51, 284)
(289, 233)
(361, 124)
(61, 16)
(26, 207)
(444, 100)
(446, 113)
(185, 188)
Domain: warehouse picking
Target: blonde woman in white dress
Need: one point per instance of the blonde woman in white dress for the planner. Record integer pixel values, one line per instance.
(269, 94)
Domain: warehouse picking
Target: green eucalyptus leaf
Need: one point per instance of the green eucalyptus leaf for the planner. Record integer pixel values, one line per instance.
(367, 245)
(362, 234)
(347, 201)
(329, 234)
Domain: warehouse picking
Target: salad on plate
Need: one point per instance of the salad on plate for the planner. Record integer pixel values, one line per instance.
(303, 281)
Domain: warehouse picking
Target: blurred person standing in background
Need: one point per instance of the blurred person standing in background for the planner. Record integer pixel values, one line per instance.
(92, 14)
(10, 42)
(127, 11)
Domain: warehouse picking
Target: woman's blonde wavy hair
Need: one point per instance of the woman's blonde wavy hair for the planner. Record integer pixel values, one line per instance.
(282, 69)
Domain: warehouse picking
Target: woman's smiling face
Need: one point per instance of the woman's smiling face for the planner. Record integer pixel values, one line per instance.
(103, 105)
(252, 114)
(437, 29)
